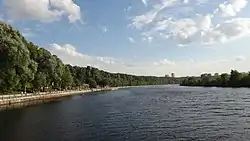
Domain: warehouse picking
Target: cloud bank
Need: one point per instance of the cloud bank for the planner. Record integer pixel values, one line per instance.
(218, 26)
(69, 55)
(43, 10)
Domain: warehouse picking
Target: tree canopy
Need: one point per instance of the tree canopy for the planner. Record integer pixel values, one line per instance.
(25, 66)
(234, 79)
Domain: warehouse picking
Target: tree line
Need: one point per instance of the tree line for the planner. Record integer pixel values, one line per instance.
(26, 67)
(234, 79)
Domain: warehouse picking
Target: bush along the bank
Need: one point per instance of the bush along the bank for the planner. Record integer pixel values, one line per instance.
(234, 79)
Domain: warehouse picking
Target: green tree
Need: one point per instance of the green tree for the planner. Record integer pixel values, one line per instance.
(15, 64)
(105, 82)
(67, 79)
(245, 81)
(205, 79)
(235, 77)
(39, 82)
(25, 65)
(224, 78)
(92, 83)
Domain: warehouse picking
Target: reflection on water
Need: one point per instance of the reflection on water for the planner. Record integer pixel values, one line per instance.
(140, 113)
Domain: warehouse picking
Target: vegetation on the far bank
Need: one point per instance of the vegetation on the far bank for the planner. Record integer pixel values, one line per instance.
(26, 67)
(234, 79)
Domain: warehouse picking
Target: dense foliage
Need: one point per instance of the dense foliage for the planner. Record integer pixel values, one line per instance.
(25, 66)
(234, 79)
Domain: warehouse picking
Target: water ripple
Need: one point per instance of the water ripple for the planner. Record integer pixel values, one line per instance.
(142, 113)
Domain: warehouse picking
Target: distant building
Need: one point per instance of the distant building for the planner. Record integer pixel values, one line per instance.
(172, 75)
(166, 75)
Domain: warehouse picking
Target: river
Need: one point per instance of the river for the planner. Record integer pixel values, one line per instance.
(139, 113)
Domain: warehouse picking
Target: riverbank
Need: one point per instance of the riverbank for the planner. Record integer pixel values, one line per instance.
(22, 100)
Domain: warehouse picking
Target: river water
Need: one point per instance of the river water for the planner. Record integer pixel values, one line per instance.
(139, 113)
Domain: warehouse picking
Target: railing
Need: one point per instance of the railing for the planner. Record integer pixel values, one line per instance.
(15, 98)
(20, 98)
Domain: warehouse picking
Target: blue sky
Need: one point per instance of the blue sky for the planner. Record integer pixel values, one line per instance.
(143, 37)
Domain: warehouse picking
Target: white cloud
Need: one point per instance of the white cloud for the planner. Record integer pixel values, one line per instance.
(142, 20)
(185, 1)
(2, 18)
(148, 38)
(158, 22)
(240, 58)
(199, 2)
(67, 49)
(145, 2)
(107, 60)
(68, 6)
(69, 54)
(131, 39)
(164, 62)
(205, 22)
(104, 29)
(128, 9)
(147, 18)
(230, 9)
(182, 31)
(196, 67)
(43, 10)
(40, 28)
(227, 31)
(201, 28)
(27, 32)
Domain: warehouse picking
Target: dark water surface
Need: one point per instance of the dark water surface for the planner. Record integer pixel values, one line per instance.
(145, 113)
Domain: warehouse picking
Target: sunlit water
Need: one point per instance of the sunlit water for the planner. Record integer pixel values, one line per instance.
(142, 113)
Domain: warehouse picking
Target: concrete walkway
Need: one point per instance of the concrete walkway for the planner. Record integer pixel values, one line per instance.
(19, 98)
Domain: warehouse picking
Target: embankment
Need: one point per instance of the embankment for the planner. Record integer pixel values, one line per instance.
(21, 100)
